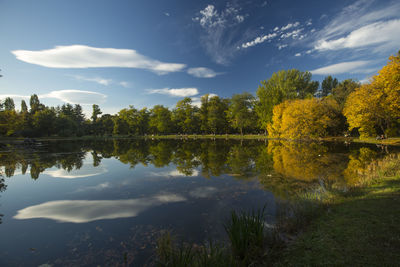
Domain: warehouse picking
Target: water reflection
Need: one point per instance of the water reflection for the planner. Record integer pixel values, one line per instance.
(83, 211)
(204, 180)
(281, 167)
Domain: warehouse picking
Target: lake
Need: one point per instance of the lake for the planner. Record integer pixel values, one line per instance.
(76, 203)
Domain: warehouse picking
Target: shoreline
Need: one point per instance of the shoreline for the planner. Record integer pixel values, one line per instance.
(393, 141)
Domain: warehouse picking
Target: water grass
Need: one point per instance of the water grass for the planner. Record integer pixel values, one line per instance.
(246, 232)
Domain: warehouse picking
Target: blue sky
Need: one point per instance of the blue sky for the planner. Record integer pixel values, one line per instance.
(143, 53)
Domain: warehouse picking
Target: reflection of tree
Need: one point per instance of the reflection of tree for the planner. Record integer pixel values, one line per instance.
(132, 152)
(186, 157)
(305, 161)
(213, 157)
(241, 160)
(161, 153)
(359, 166)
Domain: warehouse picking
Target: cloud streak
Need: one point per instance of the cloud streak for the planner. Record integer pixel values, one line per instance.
(201, 72)
(176, 92)
(344, 67)
(76, 96)
(383, 34)
(82, 56)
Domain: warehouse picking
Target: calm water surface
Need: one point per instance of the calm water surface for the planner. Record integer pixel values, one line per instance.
(98, 202)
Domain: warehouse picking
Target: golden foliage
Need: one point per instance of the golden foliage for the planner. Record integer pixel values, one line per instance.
(376, 105)
(304, 118)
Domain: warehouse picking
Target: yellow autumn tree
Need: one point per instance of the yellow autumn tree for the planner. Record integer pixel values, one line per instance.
(375, 107)
(304, 118)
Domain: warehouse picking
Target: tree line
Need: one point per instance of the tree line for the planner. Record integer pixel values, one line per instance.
(287, 105)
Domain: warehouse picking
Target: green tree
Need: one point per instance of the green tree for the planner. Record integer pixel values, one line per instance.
(43, 121)
(35, 104)
(217, 115)
(327, 85)
(186, 116)
(343, 89)
(241, 111)
(283, 85)
(24, 108)
(9, 104)
(204, 110)
(160, 120)
(96, 112)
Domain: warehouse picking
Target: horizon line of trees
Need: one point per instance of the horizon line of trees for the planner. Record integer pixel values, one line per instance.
(288, 105)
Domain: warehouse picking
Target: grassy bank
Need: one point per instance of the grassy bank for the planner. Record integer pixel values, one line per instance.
(360, 227)
(389, 141)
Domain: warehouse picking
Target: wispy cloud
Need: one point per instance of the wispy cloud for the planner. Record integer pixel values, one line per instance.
(179, 92)
(259, 40)
(220, 38)
(76, 97)
(290, 25)
(82, 56)
(201, 72)
(383, 34)
(98, 80)
(345, 67)
(124, 84)
(363, 24)
(68, 96)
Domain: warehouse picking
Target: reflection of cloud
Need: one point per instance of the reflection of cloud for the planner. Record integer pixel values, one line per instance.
(175, 174)
(203, 192)
(83, 211)
(86, 170)
(94, 187)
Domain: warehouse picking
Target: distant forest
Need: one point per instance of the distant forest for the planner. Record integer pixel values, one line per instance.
(287, 105)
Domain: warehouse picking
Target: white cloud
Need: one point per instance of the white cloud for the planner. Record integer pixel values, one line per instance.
(297, 55)
(179, 92)
(294, 34)
(290, 25)
(282, 46)
(344, 67)
(16, 97)
(220, 38)
(98, 80)
(276, 29)
(259, 40)
(124, 84)
(81, 56)
(385, 34)
(68, 96)
(83, 211)
(76, 96)
(201, 72)
(357, 15)
(167, 14)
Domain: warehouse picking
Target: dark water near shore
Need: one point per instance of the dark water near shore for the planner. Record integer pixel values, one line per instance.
(75, 203)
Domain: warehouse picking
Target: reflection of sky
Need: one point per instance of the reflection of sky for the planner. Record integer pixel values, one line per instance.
(82, 211)
(86, 170)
